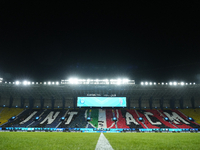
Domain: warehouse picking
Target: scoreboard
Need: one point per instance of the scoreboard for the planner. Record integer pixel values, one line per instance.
(101, 101)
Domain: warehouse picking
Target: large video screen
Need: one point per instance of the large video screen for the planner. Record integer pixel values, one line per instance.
(101, 102)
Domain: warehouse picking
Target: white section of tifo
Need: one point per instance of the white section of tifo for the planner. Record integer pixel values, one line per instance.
(102, 119)
(71, 114)
(147, 114)
(50, 117)
(63, 116)
(28, 118)
(175, 118)
(86, 114)
(129, 119)
(103, 143)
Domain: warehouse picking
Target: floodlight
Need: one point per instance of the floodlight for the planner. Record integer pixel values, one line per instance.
(52, 82)
(166, 83)
(162, 83)
(17, 82)
(25, 82)
(73, 80)
(186, 83)
(175, 83)
(16, 106)
(170, 83)
(166, 119)
(33, 83)
(36, 118)
(191, 119)
(194, 83)
(13, 118)
(190, 83)
(182, 83)
(142, 83)
(154, 83)
(118, 81)
(125, 80)
(28, 82)
(57, 83)
(146, 83)
(45, 83)
(49, 83)
(140, 118)
(36, 82)
(150, 83)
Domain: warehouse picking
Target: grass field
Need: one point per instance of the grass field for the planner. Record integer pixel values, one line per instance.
(153, 141)
(87, 141)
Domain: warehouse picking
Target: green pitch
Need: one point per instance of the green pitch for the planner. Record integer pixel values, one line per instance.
(154, 141)
(87, 141)
(47, 141)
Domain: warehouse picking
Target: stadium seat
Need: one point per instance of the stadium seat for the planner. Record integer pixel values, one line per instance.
(7, 113)
(121, 121)
(109, 115)
(194, 113)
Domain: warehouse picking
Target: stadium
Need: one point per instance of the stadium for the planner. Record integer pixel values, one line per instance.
(99, 75)
(108, 106)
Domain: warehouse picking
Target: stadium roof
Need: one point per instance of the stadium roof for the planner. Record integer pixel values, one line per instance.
(69, 91)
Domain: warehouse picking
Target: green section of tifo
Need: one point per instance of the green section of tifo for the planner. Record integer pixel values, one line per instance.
(94, 116)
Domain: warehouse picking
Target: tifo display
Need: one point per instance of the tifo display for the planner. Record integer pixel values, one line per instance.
(97, 119)
(101, 102)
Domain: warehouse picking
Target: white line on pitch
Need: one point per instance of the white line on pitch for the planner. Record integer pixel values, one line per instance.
(103, 143)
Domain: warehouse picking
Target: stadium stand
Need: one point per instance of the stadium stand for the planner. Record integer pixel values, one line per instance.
(175, 119)
(7, 113)
(57, 119)
(145, 120)
(41, 116)
(20, 118)
(109, 117)
(102, 119)
(121, 121)
(194, 113)
(79, 121)
(191, 123)
(94, 113)
(31, 117)
(158, 116)
(137, 123)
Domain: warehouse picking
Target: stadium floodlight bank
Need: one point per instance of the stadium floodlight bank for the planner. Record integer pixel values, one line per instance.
(97, 81)
(1, 80)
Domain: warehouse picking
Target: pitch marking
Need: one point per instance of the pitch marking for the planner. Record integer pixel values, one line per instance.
(103, 143)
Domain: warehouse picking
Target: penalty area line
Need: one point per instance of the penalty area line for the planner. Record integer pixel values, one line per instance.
(103, 143)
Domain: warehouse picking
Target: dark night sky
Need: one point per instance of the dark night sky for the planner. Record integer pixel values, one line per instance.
(151, 41)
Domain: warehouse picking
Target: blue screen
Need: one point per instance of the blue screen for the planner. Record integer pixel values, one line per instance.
(101, 102)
